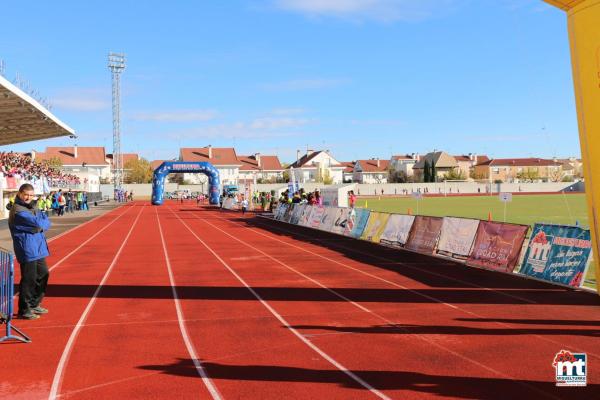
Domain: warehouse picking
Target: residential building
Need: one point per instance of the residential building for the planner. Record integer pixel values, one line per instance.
(571, 166)
(348, 172)
(316, 166)
(443, 162)
(90, 164)
(404, 163)
(519, 169)
(466, 163)
(224, 159)
(260, 168)
(371, 171)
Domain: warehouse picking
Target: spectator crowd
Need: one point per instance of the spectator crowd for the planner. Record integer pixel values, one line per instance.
(18, 165)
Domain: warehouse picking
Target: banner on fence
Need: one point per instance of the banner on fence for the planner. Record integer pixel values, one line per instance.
(296, 213)
(305, 217)
(229, 203)
(557, 254)
(315, 216)
(328, 218)
(357, 221)
(458, 235)
(340, 221)
(424, 234)
(397, 229)
(497, 245)
(280, 211)
(375, 227)
(288, 213)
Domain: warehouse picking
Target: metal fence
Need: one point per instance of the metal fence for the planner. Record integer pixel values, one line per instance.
(7, 283)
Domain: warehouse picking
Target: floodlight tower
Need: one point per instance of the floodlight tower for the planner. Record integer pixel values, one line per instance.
(116, 64)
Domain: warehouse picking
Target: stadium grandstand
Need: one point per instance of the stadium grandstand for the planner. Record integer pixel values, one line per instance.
(24, 119)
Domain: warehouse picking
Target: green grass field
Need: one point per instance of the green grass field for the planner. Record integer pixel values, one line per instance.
(527, 209)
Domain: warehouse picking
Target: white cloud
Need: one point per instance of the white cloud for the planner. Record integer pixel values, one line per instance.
(175, 116)
(303, 84)
(258, 128)
(82, 100)
(288, 111)
(378, 10)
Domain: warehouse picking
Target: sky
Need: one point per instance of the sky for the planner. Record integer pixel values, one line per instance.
(361, 78)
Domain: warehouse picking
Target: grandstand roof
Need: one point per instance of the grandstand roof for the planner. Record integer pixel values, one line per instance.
(218, 155)
(75, 155)
(371, 165)
(520, 162)
(23, 119)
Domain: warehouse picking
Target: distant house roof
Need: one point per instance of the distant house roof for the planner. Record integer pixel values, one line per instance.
(156, 163)
(479, 159)
(440, 159)
(219, 155)
(520, 162)
(267, 163)
(403, 157)
(126, 157)
(306, 160)
(371, 165)
(87, 155)
(349, 166)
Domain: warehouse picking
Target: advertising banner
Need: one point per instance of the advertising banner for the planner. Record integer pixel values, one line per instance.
(457, 236)
(424, 234)
(375, 227)
(558, 254)
(298, 210)
(340, 221)
(497, 245)
(357, 221)
(328, 218)
(315, 216)
(280, 211)
(397, 229)
(288, 213)
(305, 217)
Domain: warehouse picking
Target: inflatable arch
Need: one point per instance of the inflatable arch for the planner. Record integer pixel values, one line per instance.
(160, 173)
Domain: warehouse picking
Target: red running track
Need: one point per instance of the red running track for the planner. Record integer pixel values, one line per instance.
(181, 302)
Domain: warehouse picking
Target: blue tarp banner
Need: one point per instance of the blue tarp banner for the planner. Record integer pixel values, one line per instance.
(557, 254)
(357, 221)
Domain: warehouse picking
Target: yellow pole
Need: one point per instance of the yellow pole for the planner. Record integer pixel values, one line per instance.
(583, 17)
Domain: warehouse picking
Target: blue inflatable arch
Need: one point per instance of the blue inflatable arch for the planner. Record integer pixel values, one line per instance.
(160, 173)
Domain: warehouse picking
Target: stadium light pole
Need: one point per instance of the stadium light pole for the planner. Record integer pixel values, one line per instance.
(584, 36)
(116, 64)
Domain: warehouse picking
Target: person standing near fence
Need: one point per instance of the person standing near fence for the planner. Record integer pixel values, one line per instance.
(27, 227)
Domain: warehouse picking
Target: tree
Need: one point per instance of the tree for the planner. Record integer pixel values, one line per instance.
(454, 175)
(426, 172)
(556, 175)
(433, 174)
(138, 171)
(529, 175)
(53, 162)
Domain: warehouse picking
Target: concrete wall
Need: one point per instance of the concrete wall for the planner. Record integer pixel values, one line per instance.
(145, 190)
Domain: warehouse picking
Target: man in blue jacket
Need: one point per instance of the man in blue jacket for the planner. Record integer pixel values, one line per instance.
(27, 226)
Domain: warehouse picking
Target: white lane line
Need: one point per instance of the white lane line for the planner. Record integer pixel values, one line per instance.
(503, 324)
(313, 346)
(58, 375)
(56, 264)
(182, 326)
(381, 317)
(82, 225)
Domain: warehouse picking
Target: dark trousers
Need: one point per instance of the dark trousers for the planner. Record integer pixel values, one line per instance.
(34, 279)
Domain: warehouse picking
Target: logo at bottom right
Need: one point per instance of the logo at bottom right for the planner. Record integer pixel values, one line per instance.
(571, 368)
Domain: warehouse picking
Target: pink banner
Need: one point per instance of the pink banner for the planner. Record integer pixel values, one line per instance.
(424, 234)
(497, 245)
